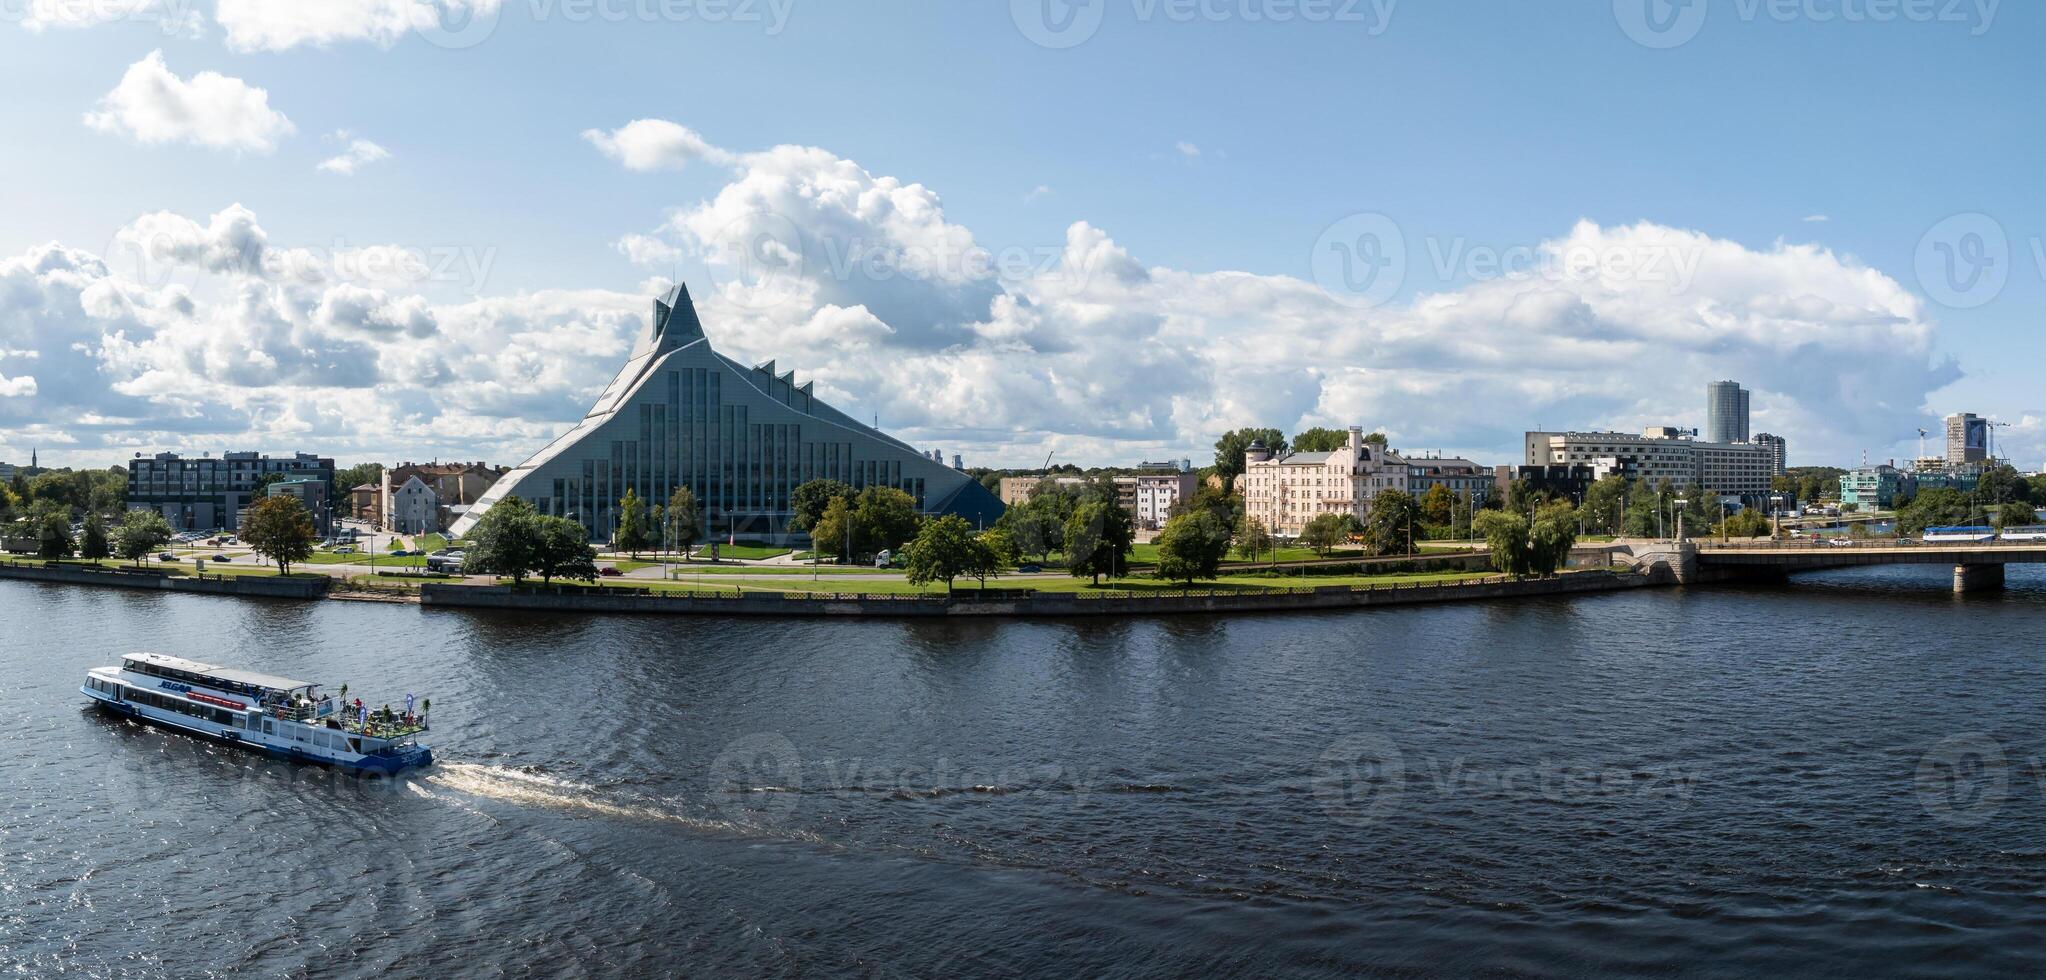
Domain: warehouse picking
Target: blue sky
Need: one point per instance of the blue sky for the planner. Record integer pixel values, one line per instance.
(1209, 151)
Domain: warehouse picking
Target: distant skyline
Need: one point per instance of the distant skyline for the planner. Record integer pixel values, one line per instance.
(398, 229)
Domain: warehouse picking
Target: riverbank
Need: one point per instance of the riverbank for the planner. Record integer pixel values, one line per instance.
(247, 586)
(1017, 603)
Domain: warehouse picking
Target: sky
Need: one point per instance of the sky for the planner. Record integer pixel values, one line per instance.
(1108, 230)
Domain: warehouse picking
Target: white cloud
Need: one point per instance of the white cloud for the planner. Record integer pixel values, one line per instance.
(279, 25)
(358, 154)
(654, 144)
(173, 18)
(646, 250)
(1817, 218)
(1187, 150)
(1037, 193)
(153, 105)
(22, 387)
(864, 284)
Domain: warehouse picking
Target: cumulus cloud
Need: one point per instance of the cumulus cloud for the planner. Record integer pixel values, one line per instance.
(358, 154)
(654, 144)
(153, 105)
(1187, 150)
(172, 17)
(863, 283)
(279, 25)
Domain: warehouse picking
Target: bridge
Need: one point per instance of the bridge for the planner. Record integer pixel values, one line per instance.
(1977, 567)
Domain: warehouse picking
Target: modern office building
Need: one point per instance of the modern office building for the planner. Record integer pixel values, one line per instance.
(1875, 487)
(1746, 470)
(315, 494)
(1967, 439)
(207, 493)
(1726, 412)
(741, 438)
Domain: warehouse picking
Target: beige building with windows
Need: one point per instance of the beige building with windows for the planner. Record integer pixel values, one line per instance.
(1284, 492)
(1740, 468)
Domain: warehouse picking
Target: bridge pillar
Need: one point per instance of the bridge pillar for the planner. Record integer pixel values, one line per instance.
(1977, 578)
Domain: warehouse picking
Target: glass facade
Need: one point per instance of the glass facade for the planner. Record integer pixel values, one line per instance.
(679, 414)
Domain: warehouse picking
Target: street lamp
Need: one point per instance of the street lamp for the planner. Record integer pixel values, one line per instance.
(1677, 508)
(1776, 514)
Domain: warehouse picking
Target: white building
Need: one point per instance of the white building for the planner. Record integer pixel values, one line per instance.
(415, 508)
(1157, 493)
(1661, 453)
(1284, 492)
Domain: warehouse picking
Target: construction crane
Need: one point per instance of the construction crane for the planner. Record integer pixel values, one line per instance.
(1993, 426)
(1921, 447)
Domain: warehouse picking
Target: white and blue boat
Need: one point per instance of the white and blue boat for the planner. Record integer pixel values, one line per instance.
(283, 717)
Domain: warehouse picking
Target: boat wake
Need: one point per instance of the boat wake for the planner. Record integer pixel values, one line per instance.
(540, 791)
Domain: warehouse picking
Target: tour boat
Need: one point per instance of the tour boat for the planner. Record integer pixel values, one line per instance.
(278, 715)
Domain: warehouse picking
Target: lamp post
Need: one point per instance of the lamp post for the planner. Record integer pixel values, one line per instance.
(1776, 516)
(1677, 508)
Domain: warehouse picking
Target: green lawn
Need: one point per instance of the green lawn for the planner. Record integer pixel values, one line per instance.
(744, 552)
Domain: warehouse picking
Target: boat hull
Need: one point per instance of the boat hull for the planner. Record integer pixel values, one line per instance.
(386, 765)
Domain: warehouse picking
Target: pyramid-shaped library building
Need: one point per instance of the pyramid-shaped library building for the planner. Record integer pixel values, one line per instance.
(680, 414)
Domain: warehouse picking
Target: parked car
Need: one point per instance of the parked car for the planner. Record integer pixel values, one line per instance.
(166, 556)
(609, 571)
(220, 558)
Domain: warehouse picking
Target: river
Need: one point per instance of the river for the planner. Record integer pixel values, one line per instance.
(1839, 778)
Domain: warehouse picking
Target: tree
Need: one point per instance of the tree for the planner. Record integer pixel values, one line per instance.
(1191, 547)
(504, 542)
(809, 500)
(1390, 527)
(1553, 535)
(94, 543)
(1749, 523)
(1438, 506)
(53, 537)
(1320, 440)
(1252, 538)
(837, 531)
(681, 522)
(889, 516)
(1031, 533)
(279, 529)
(2015, 514)
(1506, 534)
(1001, 545)
(141, 532)
(1099, 538)
(634, 534)
(1377, 439)
(1324, 533)
(560, 549)
(1230, 448)
(1937, 507)
(944, 550)
(1603, 505)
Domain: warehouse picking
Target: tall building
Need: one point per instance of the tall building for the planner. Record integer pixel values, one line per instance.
(1967, 439)
(314, 493)
(1726, 412)
(1744, 469)
(206, 493)
(681, 414)
(1779, 451)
